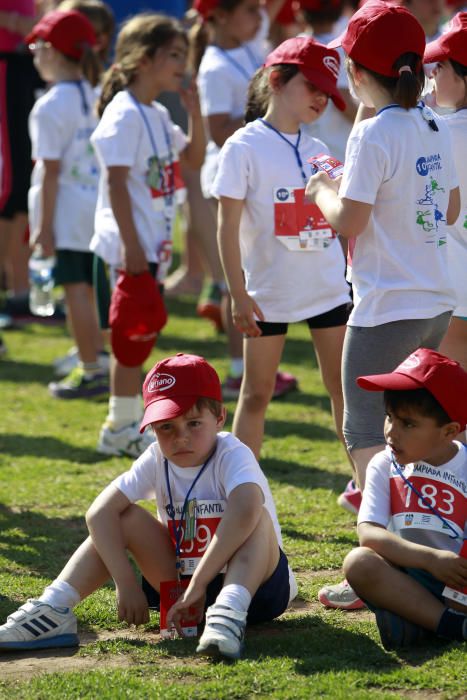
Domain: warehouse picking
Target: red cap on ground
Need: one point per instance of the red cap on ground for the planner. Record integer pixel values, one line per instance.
(427, 369)
(452, 44)
(205, 7)
(137, 314)
(315, 61)
(174, 385)
(378, 34)
(69, 32)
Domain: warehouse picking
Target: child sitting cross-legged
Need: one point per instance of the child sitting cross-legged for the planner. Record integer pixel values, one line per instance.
(412, 521)
(190, 468)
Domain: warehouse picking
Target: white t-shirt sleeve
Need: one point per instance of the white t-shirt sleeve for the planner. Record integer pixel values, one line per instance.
(216, 93)
(232, 175)
(239, 466)
(117, 136)
(139, 482)
(365, 165)
(51, 129)
(376, 499)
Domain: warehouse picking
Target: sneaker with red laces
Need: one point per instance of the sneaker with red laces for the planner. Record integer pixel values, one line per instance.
(209, 305)
(340, 596)
(285, 383)
(351, 498)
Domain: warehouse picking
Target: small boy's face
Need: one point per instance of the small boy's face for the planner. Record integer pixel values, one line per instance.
(414, 437)
(189, 439)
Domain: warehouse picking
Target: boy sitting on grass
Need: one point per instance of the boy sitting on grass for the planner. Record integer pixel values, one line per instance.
(215, 514)
(412, 521)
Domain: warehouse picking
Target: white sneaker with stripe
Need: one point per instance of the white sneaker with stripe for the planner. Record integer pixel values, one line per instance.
(36, 625)
(223, 633)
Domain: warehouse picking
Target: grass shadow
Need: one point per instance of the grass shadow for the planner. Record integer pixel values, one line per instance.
(295, 474)
(16, 444)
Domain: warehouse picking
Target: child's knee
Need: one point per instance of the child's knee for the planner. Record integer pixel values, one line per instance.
(361, 564)
(256, 396)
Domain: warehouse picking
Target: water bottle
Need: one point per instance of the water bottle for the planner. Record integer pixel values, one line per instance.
(41, 284)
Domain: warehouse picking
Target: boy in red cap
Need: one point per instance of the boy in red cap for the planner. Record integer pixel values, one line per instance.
(413, 518)
(206, 484)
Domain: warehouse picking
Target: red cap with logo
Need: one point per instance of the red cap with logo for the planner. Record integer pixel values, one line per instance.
(378, 34)
(174, 385)
(205, 7)
(427, 369)
(69, 32)
(315, 61)
(452, 44)
(137, 313)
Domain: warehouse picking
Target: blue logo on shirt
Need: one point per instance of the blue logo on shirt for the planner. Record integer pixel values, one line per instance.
(428, 164)
(282, 194)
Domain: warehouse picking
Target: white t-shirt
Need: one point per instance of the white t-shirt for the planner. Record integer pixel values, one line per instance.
(223, 79)
(457, 248)
(60, 125)
(233, 464)
(397, 163)
(390, 502)
(288, 286)
(125, 138)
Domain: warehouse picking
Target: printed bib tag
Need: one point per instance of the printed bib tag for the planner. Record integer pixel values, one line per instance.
(170, 592)
(459, 595)
(331, 166)
(300, 226)
(190, 521)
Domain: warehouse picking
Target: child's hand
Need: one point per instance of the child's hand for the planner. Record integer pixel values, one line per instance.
(244, 309)
(44, 239)
(449, 568)
(132, 605)
(318, 181)
(193, 599)
(134, 259)
(190, 98)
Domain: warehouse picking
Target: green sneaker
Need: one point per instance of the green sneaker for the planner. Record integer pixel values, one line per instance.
(78, 385)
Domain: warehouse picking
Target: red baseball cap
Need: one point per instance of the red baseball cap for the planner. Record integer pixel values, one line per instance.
(378, 33)
(427, 369)
(452, 44)
(315, 61)
(286, 14)
(69, 32)
(205, 7)
(174, 385)
(137, 313)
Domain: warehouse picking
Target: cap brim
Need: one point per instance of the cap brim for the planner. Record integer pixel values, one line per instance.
(327, 86)
(166, 409)
(392, 380)
(30, 38)
(435, 52)
(335, 43)
(130, 353)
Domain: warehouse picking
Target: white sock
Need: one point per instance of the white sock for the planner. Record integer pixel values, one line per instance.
(234, 596)
(123, 410)
(236, 366)
(60, 594)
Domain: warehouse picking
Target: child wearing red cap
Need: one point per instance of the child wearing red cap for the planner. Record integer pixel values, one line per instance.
(63, 192)
(204, 482)
(397, 196)
(140, 151)
(413, 519)
(283, 263)
(449, 53)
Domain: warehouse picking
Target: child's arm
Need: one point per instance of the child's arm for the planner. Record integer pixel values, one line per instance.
(241, 517)
(347, 216)
(221, 126)
(44, 236)
(244, 307)
(104, 523)
(442, 564)
(454, 206)
(134, 258)
(195, 150)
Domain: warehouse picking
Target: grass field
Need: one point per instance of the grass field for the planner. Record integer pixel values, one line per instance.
(49, 474)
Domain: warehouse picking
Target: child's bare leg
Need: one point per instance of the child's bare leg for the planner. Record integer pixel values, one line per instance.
(385, 586)
(83, 320)
(262, 357)
(124, 381)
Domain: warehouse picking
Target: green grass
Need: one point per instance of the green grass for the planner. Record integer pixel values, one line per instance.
(49, 474)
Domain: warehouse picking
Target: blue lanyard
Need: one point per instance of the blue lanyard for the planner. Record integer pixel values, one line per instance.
(293, 146)
(238, 66)
(171, 509)
(168, 194)
(426, 114)
(424, 500)
(79, 85)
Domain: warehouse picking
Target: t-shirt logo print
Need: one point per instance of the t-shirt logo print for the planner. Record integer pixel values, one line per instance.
(332, 64)
(161, 382)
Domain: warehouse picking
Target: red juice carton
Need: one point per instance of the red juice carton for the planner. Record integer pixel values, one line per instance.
(169, 594)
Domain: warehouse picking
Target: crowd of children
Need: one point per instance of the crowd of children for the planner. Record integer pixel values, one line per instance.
(104, 194)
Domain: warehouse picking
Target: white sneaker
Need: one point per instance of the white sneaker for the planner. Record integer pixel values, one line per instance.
(126, 441)
(36, 625)
(223, 633)
(64, 365)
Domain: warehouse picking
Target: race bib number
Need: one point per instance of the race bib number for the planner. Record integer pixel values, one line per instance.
(439, 491)
(207, 516)
(300, 226)
(164, 179)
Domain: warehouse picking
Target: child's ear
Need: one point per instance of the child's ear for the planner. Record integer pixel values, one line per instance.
(275, 80)
(452, 430)
(221, 418)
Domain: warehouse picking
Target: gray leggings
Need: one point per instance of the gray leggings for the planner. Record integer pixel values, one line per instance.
(376, 350)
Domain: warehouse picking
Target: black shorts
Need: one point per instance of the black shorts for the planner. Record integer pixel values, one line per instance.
(19, 82)
(73, 267)
(330, 319)
(270, 600)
